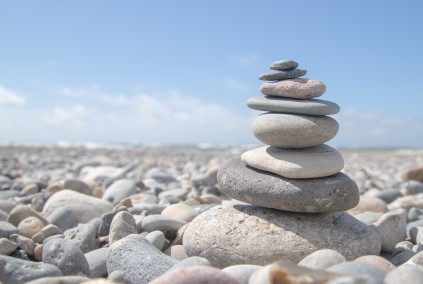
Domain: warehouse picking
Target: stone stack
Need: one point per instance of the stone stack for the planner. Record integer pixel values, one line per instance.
(294, 187)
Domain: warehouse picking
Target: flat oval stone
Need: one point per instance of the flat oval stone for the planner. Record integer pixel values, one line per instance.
(312, 162)
(294, 130)
(286, 105)
(300, 88)
(296, 106)
(282, 75)
(284, 64)
(328, 194)
(83, 207)
(245, 234)
(322, 259)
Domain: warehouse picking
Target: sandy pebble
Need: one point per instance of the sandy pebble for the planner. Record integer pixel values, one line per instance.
(322, 259)
(30, 226)
(123, 224)
(180, 211)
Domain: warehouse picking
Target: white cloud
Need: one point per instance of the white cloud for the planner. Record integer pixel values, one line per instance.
(74, 116)
(245, 60)
(234, 85)
(161, 117)
(93, 92)
(8, 97)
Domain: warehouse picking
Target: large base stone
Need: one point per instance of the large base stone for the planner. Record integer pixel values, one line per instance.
(246, 234)
(327, 194)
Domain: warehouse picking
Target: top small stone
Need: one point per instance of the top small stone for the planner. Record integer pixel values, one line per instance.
(284, 65)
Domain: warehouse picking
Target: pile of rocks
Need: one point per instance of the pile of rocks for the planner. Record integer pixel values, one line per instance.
(296, 174)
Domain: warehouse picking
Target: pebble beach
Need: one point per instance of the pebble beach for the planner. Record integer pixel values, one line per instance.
(295, 210)
(118, 215)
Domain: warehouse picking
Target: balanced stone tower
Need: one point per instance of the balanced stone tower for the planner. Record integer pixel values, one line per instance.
(294, 187)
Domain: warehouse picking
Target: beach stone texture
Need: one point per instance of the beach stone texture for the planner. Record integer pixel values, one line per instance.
(16, 271)
(415, 173)
(284, 271)
(270, 235)
(7, 247)
(62, 280)
(119, 190)
(66, 256)
(277, 75)
(83, 207)
(138, 258)
(195, 274)
(322, 259)
(294, 130)
(312, 162)
(242, 272)
(296, 106)
(284, 64)
(300, 88)
(328, 194)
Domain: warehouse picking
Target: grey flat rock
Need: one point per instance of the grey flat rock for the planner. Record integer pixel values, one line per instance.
(282, 75)
(284, 64)
(84, 207)
(16, 271)
(7, 247)
(97, 262)
(138, 258)
(391, 228)
(119, 190)
(335, 193)
(66, 256)
(63, 218)
(7, 229)
(269, 235)
(312, 162)
(286, 105)
(167, 225)
(294, 130)
(78, 186)
(84, 236)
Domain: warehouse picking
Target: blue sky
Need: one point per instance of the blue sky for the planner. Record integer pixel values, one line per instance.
(181, 71)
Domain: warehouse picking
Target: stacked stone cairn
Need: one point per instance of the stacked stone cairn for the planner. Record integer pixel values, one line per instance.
(293, 195)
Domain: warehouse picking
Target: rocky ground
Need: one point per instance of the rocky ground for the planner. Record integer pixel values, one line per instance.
(73, 214)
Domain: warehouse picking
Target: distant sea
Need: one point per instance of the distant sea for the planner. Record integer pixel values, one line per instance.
(203, 146)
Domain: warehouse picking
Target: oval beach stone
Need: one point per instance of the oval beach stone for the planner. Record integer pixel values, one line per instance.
(269, 235)
(284, 64)
(312, 162)
(84, 207)
(294, 130)
(286, 105)
(328, 194)
(282, 75)
(300, 88)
